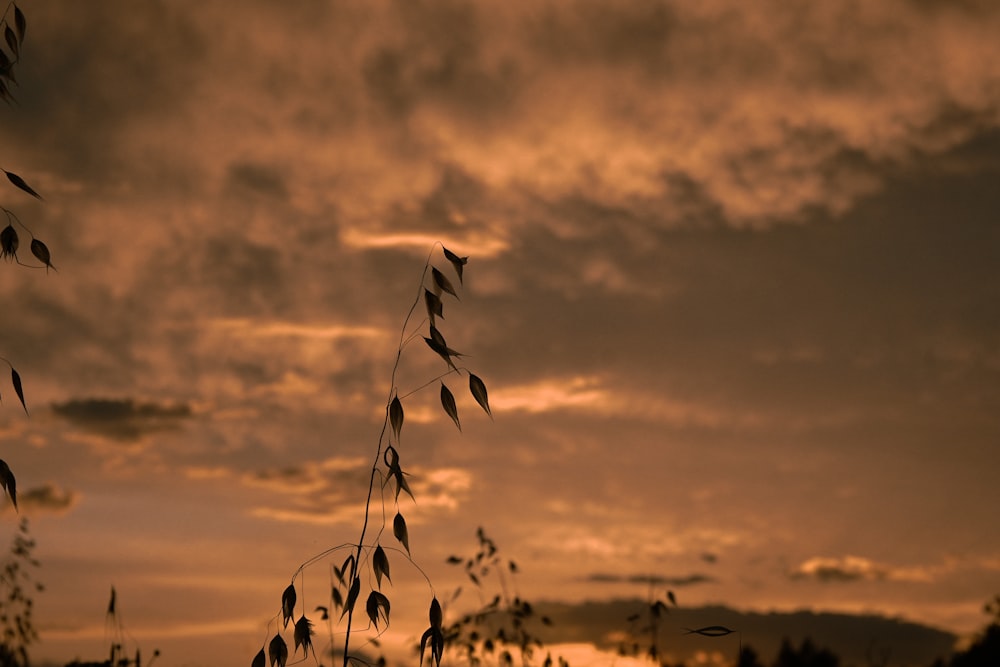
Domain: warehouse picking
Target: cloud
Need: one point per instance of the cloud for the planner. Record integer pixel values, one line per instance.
(334, 490)
(856, 568)
(46, 499)
(649, 579)
(126, 420)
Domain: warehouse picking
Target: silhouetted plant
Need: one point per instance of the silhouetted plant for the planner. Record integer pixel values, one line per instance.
(16, 601)
(985, 648)
(643, 634)
(13, 26)
(120, 653)
(366, 567)
(499, 631)
(807, 655)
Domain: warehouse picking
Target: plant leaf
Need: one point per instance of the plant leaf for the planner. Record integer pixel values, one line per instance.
(277, 651)
(287, 604)
(41, 252)
(442, 282)
(19, 183)
(303, 634)
(338, 600)
(19, 22)
(352, 597)
(9, 242)
(448, 403)
(434, 305)
(15, 379)
(711, 631)
(259, 660)
(380, 564)
(12, 44)
(435, 614)
(478, 389)
(377, 606)
(396, 415)
(443, 352)
(399, 531)
(456, 261)
(8, 482)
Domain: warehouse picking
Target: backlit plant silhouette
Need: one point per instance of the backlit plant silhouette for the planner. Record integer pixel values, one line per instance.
(16, 604)
(13, 25)
(503, 629)
(364, 572)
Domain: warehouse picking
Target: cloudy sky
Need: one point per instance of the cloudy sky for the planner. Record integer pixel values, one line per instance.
(733, 287)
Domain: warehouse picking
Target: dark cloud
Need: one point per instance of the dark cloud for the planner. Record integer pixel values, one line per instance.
(650, 579)
(122, 419)
(260, 178)
(47, 499)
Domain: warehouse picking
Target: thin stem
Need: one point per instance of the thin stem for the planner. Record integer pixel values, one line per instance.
(378, 450)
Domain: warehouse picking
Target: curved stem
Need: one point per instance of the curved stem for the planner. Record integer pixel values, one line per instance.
(378, 450)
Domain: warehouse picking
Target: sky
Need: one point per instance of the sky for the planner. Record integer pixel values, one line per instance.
(732, 286)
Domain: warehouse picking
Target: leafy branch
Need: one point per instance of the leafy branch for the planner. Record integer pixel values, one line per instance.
(368, 555)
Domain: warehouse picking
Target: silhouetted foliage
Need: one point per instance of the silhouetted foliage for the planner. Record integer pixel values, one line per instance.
(748, 658)
(807, 655)
(366, 567)
(16, 602)
(505, 628)
(985, 648)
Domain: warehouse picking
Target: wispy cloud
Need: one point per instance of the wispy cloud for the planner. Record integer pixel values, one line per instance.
(856, 568)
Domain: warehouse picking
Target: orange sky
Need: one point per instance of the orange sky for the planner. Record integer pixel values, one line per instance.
(733, 288)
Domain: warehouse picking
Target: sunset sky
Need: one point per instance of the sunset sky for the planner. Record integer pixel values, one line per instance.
(734, 288)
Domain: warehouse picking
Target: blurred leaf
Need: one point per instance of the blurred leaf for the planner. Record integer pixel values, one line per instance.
(41, 252)
(338, 599)
(19, 182)
(512, 566)
(15, 379)
(441, 281)
(478, 389)
(399, 531)
(380, 564)
(324, 613)
(259, 660)
(377, 606)
(9, 242)
(277, 651)
(396, 416)
(8, 35)
(454, 560)
(670, 596)
(9, 484)
(303, 634)
(456, 261)
(19, 22)
(287, 604)
(448, 403)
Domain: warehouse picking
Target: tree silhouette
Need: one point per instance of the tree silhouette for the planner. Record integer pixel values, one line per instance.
(807, 655)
